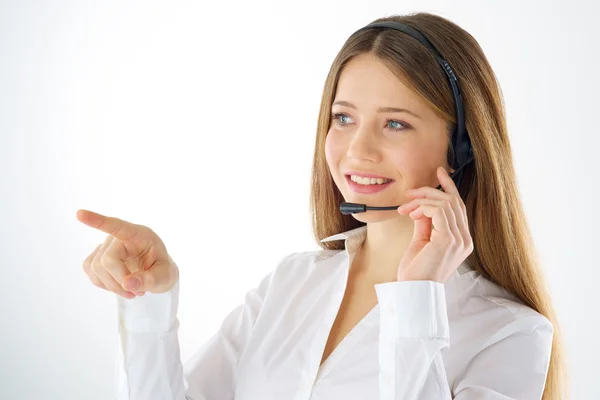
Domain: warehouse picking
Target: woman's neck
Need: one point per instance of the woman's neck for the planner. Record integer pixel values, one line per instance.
(378, 257)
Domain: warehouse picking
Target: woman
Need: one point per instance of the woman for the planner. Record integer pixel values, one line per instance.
(440, 298)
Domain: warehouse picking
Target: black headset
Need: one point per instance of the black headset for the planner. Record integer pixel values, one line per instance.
(461, 142)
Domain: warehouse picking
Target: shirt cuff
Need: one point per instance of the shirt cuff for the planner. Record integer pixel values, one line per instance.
(413, 309)
(150, 313)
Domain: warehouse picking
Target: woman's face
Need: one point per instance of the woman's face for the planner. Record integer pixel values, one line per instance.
(367, 135)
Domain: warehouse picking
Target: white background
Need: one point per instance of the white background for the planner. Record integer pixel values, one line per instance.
(198, 119)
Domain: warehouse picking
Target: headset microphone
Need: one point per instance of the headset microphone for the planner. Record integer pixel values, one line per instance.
(461, 142)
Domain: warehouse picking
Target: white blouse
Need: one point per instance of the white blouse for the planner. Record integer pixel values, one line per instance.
(464, 339)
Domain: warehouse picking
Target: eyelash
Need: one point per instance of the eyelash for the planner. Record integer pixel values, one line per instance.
(336, 117)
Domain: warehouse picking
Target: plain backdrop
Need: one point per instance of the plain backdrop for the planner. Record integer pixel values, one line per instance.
(198, 119)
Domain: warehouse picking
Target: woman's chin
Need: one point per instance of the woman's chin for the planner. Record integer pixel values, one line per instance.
(376, 215)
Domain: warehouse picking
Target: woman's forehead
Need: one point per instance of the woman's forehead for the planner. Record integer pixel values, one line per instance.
(367, 83)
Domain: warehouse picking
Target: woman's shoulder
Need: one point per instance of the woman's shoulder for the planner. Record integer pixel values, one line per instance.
(493, 333)
(477, 300)
(303, 263)
(312, 256)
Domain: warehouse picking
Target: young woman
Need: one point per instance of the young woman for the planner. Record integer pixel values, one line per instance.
(441, 298)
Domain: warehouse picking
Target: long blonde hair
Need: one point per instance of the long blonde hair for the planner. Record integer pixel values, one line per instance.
(503, 248)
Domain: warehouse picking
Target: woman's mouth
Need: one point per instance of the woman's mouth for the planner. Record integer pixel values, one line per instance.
(373, 185)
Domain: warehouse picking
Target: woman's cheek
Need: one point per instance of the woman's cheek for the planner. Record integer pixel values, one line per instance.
(331, 150)
(419, 169)
(409, 166)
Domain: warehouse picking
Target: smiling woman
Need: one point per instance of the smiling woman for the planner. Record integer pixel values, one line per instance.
(387, 110)
(441, 298)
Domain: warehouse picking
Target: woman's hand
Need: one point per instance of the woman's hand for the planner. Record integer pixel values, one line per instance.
(131, 254)
(441, 239)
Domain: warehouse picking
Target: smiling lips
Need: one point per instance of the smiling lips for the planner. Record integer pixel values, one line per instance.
(368, 188)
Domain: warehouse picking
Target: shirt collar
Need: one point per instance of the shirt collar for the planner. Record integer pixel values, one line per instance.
(353, 238)
(360, 231)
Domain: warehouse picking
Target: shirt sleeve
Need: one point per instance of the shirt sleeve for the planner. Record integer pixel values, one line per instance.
(414, 329)
(148, 364)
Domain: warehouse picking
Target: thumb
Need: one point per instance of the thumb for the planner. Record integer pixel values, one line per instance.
(155, 280)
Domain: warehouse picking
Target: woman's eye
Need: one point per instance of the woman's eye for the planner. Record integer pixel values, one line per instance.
(341, 119)
(396, 125)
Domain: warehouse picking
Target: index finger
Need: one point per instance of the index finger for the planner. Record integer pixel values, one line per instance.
(116, 227)
(446, 182)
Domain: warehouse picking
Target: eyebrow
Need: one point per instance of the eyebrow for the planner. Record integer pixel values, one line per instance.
(380, 109)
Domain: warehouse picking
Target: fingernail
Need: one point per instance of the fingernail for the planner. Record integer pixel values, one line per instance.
(133, 284)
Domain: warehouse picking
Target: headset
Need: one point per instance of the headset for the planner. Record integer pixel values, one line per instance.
(461, 143)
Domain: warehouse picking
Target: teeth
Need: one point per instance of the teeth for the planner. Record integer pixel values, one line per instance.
(368, 181)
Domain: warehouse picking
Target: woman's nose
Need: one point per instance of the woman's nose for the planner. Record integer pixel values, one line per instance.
(363, 145)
